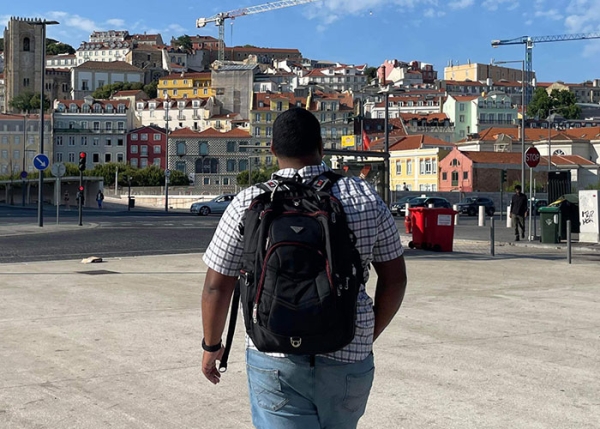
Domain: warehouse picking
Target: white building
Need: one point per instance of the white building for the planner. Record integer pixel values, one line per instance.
(96, 127)
(192, 113)
(61, 61)
(341, 78)
(89, 76)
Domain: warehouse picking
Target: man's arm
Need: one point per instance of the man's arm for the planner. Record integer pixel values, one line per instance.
(216, 298)
(389, 293)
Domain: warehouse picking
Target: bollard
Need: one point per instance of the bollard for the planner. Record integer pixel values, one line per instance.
(492, 237)
(455, 208)
(481, 215)
(569, 241)
(508, 217)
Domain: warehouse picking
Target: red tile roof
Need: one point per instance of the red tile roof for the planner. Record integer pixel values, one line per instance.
(113, 65)
(210, 133)
(494, 157)
(418, 141)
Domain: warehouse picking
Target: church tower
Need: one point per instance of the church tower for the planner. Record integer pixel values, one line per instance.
(22, 58)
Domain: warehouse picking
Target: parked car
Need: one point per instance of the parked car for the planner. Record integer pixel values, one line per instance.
(216, 205)
(438, 202)
(401, 203)
(470, 206)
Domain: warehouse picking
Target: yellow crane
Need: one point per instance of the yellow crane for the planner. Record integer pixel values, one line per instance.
(219, 18)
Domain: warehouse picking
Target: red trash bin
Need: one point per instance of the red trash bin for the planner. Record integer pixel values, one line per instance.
(433, 228)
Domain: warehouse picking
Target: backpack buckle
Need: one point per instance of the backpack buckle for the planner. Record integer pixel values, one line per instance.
(295, 342)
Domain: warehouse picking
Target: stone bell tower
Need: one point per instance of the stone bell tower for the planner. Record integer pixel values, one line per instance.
(22, 58)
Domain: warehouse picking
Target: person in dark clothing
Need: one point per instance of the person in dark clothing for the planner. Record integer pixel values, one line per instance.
(518, 211)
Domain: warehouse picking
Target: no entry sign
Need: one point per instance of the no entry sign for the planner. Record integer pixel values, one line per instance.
(532, 157)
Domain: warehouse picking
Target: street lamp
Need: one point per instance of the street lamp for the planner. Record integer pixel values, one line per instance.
(522, 113)
(552, 118)
(386, 90)
(167, 171)
(43, 24)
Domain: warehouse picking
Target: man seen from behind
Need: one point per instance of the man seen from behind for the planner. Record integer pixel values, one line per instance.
(297, 391)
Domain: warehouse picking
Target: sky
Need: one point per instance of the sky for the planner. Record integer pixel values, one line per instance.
(357, 31)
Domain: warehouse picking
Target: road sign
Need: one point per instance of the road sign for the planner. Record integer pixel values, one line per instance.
(168, 173)
(41, 161)
(23, 175)
(58, 169)
(532, 157)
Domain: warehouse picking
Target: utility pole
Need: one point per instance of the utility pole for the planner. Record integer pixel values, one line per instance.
(167, 172)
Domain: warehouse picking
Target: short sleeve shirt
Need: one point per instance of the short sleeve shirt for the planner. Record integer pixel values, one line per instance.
(377, 240)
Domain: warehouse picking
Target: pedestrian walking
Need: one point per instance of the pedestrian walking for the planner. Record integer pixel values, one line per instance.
(518, 212)
(289, 389)
(66, 199)
(404, 187)
(99, 198)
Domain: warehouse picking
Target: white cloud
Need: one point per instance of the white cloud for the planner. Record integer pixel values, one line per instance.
(461, 4)
(552, 14)
(116, 23)
(493, 5)
(583, 16)
(433, 13)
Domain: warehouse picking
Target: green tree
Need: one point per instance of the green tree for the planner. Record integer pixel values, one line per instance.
(260, 174)
(184, 42)
(107, 91)
(151, 89)
(562, 102)
(28, 101)
(371, 73)
(178, 178)
(54, 47)
(1, 44)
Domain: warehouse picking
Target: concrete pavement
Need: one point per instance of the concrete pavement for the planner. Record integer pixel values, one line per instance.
(480, 342)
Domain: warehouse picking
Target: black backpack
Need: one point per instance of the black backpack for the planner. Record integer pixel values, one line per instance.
(301, 271)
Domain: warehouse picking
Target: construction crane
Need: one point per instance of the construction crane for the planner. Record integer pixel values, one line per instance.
(529, 42)
(219, 18)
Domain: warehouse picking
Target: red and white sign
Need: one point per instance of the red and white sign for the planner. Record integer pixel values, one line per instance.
(532, 157)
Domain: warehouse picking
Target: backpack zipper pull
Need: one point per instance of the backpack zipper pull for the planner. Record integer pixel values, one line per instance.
(255, 313)
(267, 243)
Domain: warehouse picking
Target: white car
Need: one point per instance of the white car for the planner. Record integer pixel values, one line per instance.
(216, 205)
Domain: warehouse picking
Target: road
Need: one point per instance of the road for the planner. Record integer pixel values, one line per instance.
(118, 233)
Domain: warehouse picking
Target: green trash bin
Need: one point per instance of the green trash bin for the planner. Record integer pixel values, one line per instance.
(550, 218)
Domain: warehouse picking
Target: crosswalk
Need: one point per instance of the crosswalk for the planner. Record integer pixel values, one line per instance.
(185, 225)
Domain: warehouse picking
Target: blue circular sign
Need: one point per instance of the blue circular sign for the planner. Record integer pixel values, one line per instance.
(41, 161)
(23, 175)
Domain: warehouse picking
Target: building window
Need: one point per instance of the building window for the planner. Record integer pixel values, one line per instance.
(230, 146)
(144, 136)
(84, 140)
(243, 165)
(461, 107)
(133, 148)
(455, 178)
(144, 162)
(156, 162)
(58, 157)
(107, 157)
(181, 148)
(71, 140)
(203, 148)
(134, 162)
(157, 137)
(409, 166)
(144, 150)
(226, 180)
(257, 117)
(444, 176)
(231, 165)
(134, 136)
(57, 139)
(120, 157)
(71, 157)
(26, 44)
(461, 118)
(465, 175)
(156, 148)
(256, 131)
(398, 167)
(26, 81)
(180, 166)
(96, 126)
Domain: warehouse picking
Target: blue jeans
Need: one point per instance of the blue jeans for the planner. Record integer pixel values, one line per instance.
(287, 393)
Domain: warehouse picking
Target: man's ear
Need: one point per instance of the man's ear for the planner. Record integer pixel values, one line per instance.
(272, 150)
(321, 149)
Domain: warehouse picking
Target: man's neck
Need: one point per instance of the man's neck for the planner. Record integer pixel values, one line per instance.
(298, 164)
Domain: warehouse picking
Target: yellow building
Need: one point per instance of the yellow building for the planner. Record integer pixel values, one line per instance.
(186, 85)
(414, 162)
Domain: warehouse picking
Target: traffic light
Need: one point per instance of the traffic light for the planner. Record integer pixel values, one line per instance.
(82, 161)
(503, 176)
(80, 196)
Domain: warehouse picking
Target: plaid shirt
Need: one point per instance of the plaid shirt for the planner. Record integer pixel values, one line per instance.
(377, 240)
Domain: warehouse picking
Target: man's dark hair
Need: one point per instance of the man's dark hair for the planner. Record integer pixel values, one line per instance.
(518, 188)
(296, 134)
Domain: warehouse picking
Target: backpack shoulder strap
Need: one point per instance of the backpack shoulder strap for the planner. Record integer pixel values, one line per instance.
(325, 181)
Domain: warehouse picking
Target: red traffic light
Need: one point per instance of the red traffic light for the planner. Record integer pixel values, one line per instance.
(81, 188)
(81, 154)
